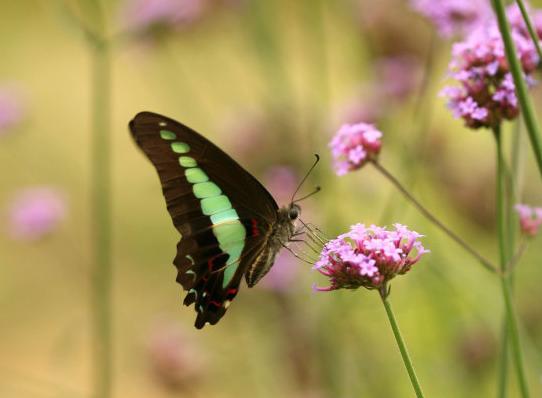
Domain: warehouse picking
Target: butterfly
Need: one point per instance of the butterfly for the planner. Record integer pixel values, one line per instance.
(230, 225)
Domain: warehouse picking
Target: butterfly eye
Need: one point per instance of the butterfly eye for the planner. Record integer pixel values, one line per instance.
(293, 213)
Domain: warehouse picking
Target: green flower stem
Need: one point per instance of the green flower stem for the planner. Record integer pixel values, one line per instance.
(530, 28)
(400, 342)
(502, 388)
(101, 218)
(513, 335)
(485, 263)
(526, 105)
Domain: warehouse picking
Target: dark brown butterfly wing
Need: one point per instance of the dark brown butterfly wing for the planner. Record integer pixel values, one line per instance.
(222, 212)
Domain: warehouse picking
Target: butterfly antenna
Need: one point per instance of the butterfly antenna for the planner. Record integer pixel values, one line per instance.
(304, 179)
(316, 190)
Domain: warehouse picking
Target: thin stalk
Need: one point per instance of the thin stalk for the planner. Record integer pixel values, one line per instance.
(485, 262)
(526, 105)
(530, 28)
(401, 344)
(101, 219)
(502, 387)
(510, 317)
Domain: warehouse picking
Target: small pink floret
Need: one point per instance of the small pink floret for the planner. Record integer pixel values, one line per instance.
(354, 145)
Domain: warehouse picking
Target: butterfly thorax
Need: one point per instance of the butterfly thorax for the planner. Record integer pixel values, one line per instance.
(279, 236)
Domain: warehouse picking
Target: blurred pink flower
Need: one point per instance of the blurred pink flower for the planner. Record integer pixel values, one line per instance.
(397, 76)
(486, 92)
(283, 273)
(369, 257)
(354, 145)
(362, 108)
(281, 181)
(175, 359)
(11, 110)
(518, 23)
(146, 15)
(453, 17)
(530, 219)
(36, 212)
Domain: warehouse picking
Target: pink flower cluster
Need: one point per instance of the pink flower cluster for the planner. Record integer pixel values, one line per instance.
(452, 17)
(530, 219)
(486, 92)
(354, 145)
(11, 110)
(518, 23)
(36, 212)
(146, 15)
(369, 256)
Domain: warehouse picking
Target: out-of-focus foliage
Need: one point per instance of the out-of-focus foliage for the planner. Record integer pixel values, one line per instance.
(270, 82)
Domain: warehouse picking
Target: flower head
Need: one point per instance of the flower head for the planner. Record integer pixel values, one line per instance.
(485, 94)
(452, 17)
(354, 145)
(369, 256)
(36, 212)
(530, 219)
(517, 22)
(151, 15)
(174, 359)
(11, 110)
(397, 76)
(281, 182)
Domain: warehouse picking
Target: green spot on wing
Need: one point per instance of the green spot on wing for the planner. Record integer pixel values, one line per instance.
(180, 147)
(167, 135)
(206, 190)
(231, 238)
(214, 205)
(224, 216)
(195, 175)
(187, 161)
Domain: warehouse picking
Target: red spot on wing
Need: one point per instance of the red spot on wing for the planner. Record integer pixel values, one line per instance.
(215, 303)
(255, 230)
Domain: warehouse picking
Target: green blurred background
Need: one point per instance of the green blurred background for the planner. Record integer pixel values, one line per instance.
(270, 82)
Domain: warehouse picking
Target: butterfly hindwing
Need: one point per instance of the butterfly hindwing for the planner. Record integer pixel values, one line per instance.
(222, 212)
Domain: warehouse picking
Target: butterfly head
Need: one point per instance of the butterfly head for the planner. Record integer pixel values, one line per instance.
(294, 211)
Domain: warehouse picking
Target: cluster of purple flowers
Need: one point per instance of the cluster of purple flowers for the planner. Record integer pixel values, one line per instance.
(146, 15)
(11, 110)
(452, 17)
(35, 212)
(486, 94)
(530, 219)
(369, 256)
(354, 145)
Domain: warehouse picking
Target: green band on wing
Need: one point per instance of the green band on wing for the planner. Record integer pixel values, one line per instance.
(167, 135)
(228, 230)
(214, 205)
(224, 216)
(180, 147)
(195, 175)
(187, 161)
(231, 239)
(206, 190)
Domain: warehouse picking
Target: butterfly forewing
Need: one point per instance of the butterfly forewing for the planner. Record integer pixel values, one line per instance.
(222, 212)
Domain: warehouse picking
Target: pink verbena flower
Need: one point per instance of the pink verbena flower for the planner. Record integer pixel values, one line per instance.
(530, 219)
(452, 17)
(11, 110)
(369, 256)
(36, 212)
(517, 22)
(354, 145)
(175, 360)
(486, 94)
(148, 15)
